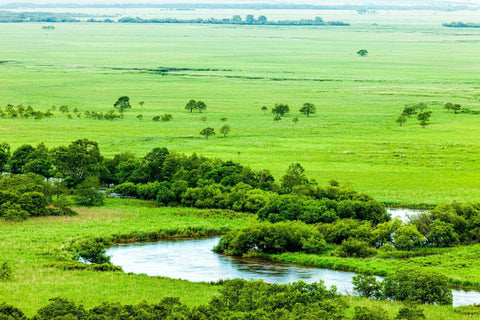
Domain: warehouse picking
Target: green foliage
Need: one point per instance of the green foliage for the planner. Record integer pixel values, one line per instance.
(295, 176)
(362, 52)
(410, 311)
(8, 312)
(424, 118)
(308, 109)
(355, 248)
(60, 308)
(420, 286)
(87, 193)
(90, 250)
(265, 237)
(280, 109)
(5, 274)
(4, 155)
(375, 313)
(225, 130)
(407, 237)
(13, 212)
(122, 103)
(367, 285)
(207, 132)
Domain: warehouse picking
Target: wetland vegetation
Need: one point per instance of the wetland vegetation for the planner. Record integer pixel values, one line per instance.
(298, 108)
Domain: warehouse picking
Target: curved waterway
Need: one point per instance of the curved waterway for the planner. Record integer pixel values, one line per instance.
(194, 260)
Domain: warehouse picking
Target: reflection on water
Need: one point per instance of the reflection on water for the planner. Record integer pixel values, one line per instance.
(194, 260)
(404, 213)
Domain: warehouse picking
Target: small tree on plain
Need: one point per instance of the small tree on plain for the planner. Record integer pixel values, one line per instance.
(362, 52)
(191, 105)
(122, 103)
(264, 109)
(225, 130)
(281, 109)
(207, 132)
(295, 120)
(401, 120)
(308, 109)
(201, 106)
(424, 118)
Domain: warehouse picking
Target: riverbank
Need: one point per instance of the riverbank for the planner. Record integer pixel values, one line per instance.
(31, 246)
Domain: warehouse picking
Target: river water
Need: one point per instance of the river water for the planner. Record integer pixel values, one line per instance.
(194, 260)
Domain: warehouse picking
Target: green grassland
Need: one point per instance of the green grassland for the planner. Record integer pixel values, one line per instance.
(30, 247)
(353, 138)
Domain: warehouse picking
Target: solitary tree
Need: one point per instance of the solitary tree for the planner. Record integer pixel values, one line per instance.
(295, 120)
(308, 108)
(141, 103)
(362, 52)
(264, 109)
(191, 105)
(225, 130)
(424, 117)
(401, 120)
(207, 132)
(122, 103)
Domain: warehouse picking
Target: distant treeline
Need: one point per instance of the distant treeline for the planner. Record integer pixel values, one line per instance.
(460, 24)
(8, 16)
(253, 6)
(249, 20)
(12, 17)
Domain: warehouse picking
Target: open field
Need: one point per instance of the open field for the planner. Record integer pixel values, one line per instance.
(353, 138)
(30, 247)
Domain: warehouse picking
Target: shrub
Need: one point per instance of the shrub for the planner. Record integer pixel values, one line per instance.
(13, 212)
(367, 285)
(418, 286)
(5, 272)
(355, 248)
(90, 250)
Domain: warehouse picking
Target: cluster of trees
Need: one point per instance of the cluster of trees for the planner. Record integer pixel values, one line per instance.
(460, 24)
(446, 225)
(412, 285)
(196, 105)
(12, 17)
(164, 117)
(236, 19)
(20, 111)
(22, 196)
(172, 178)
(416, 109)
(279, 110)
(209, 131)
(238, 299)
(456, 108)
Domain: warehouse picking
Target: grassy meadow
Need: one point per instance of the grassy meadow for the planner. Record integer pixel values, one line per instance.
(353, 137)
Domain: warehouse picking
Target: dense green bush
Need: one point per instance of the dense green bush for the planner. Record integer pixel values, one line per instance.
(418, 286)
(355, 248)
(265, 237)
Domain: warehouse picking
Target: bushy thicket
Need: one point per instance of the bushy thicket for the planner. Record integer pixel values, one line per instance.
(238, 299)
(265, 237)
(406, 284)
(22, 196)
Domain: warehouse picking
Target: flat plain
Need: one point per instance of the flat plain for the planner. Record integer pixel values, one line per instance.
(353, 137)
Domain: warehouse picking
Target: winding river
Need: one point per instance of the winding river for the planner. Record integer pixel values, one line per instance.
(194, 260)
